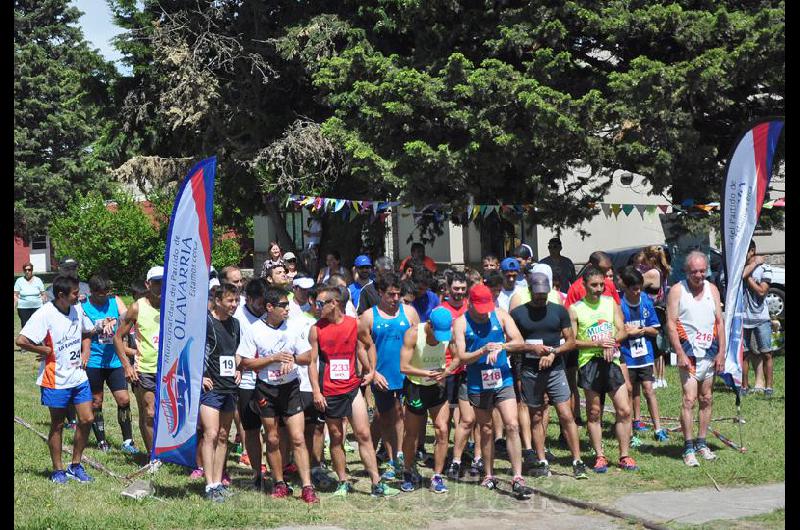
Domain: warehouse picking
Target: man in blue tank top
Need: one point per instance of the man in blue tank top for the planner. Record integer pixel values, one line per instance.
(480, 338)
(381, 331)
(104, 367)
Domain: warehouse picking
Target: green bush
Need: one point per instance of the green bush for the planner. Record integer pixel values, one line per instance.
(121, 244)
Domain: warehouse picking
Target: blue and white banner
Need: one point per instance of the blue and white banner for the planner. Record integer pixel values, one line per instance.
(184, 305)
(746, 183)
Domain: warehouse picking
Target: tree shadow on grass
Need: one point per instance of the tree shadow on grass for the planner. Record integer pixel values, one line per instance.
(181, 491)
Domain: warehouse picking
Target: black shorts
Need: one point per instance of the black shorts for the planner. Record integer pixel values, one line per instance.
(340, 406)
(278, 400)
(147, 382)
(452, 388)
(311, 413)
(247, 412)
(219, 401)
(601, 376)
(420, 398)
(638, 375)
(571, 359)
(384, 399)
(113, 377)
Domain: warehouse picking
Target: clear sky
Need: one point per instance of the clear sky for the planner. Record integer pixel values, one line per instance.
(99, 29)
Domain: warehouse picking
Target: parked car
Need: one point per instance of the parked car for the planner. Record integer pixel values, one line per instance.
(776, 297)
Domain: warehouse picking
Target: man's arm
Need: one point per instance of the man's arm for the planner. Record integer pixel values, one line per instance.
(121, 338)
(459, 329)
(367, 345)
(719, 324)
(619, 324)
(41, 350)
(673, 303)
(407, 351)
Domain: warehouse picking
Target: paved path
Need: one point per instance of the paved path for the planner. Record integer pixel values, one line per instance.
(704, 504)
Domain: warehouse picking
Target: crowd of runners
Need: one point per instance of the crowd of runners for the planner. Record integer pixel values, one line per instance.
(297, 363)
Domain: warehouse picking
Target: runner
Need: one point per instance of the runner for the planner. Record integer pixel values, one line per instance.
(104, 367)
(274, 349)
(233, 275)
(145, 314)
(363, 266)
(381, 333)
(369, 296)
(548, 335)
(59, 333)
(696, 333)
(757, 277)
(423, 361)
(335, 387)
(524, 255)
(464, 414)
(299, 304)
(480, 339)
(425, 300)
(641, 322)
(221, 377)
(510, 269)
(598, 325)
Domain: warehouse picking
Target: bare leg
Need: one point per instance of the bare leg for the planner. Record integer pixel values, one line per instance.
(85, 419)
(484, 420)
(359, 421)
(252, 444)
(706, 402)
(57, 417)
(295, 425)
(414, 423)
(622, 405)
(273, 448)
(758, 368)
(574, 397)
(593, 413)
(464, 427)
(768, 368)
(569, 429)
(524, 425)
(652, 403)
(441, 427)
(146, 402)
(746, 369)
(209, 419)
(687, 407)
(508, 410)
(336, 433)
(536, 415)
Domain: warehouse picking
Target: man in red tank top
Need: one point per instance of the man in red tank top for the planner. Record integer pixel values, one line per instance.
(334, 341)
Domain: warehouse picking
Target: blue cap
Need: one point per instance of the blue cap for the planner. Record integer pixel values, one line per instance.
(363, 261)
(442, 323)
(509, 264)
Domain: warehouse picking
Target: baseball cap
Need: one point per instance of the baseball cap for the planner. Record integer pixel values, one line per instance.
(67, 263)
(155, 273)
(303, 282)
(545, 269)
(442, 322)
(288, 256)
(363, 261)
(523, 251)
(481, 299)
(538, 282)
(509, 264)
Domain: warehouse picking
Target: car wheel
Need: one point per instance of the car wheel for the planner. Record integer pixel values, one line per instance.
(776, 302)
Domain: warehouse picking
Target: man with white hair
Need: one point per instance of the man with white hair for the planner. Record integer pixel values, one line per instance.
(696, 333)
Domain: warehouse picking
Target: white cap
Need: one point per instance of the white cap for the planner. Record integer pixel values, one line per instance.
(544, 269)
(155, 273)
(213, 282)
(304, 283)
(288, 256)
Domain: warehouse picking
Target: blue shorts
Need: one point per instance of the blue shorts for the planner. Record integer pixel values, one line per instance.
(219, 401)
(763, 333)
(385, 399)
(61, 397)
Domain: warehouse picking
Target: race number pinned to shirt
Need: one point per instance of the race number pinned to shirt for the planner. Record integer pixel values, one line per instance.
(340, 369)
(491, 379)
(638, 347)
(703, 339)
(274, 377)
(227, 366)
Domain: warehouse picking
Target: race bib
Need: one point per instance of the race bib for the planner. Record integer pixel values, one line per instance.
(638, 347)
(274, 376)
(340, 369)
(227, 366)
(530, 354)
(75, 359)
(491, 379)
(703, 340)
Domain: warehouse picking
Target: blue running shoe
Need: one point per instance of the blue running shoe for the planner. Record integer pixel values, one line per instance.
(438, 485)
(59, 476)
(76, 472)
(128, 447)
(639, 425)
(408, 484)
(661, 435)
(389, 474)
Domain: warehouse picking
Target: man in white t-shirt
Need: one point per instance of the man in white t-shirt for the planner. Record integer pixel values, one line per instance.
(274, 349)
(510, 269)
(60, 334)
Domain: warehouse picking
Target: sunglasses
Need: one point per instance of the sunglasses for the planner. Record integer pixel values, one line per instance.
(321, 303)
(28, 270)
(282, 305)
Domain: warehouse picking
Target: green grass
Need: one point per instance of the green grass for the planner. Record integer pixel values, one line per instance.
(767, 521)
(40, 504)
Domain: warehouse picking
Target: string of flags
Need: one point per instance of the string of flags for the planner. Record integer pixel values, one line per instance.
(380, 210)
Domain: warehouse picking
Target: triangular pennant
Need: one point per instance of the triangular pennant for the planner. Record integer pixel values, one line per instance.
(339, 205)
(615, 209)
(651, 209)
(780, 203)
(483, 210)
(475, 211)
(641, 209)
(664, 207)
(769, 205)
(627, 208)
(606, 209)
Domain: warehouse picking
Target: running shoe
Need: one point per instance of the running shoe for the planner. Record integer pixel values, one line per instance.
(661, 435)
(214, 495)
(197, 474)
(71, 425)
(579, 470)
(400, 463)
(225, 491)
(489, 482)
(129, 448)
(454, 471)
(389, 473)
(519, 488)
(76, 472)
(383, 490)
(706, 453)
(664, 383)
(690, 459)
(59, 476)
(757, 390)
(244, 460)
(540, 470)
(343, 489)
(237, 449)
(410, 481)
(475, 469)
(103, 446)
(549, 456)
(768, 392)
(600, 465)
(635, 441)
(438, 485)
(628, 464)
(381, 454)
(308, 495)
(639, 425)
(529, 457)
(321, 478)
(288, 469)
(226, 479)
(280, 490)
(264, 469)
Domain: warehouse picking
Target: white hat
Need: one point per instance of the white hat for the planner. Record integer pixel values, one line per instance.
(544, 269)
(155, 273)
(213, 282)
(288, 256)
(304, 283)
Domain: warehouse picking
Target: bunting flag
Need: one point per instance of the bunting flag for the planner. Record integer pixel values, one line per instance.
(627, 208)
(747, 179)
(606, 209)
(184, 305)
(641, 209)
(615, 209)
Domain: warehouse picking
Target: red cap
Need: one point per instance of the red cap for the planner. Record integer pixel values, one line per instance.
(481, 298)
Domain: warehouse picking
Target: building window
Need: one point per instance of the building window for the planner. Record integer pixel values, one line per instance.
(39, 243)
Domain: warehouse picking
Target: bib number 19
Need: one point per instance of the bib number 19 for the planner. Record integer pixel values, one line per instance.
(227, 366)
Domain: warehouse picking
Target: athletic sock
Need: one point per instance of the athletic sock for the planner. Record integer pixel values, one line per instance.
(688, 445)
(124, 419)
(99, 425)
(457, 462)
(575, 462)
